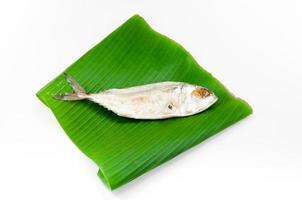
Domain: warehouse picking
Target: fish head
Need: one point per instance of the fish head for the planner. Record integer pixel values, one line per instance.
(198, 99)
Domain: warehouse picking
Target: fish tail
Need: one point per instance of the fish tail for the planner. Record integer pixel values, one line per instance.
(79, 91)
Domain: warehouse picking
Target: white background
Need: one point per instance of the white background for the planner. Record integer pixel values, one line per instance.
(253, 47)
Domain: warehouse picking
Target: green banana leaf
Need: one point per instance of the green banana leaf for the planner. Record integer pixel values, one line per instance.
(123, 148)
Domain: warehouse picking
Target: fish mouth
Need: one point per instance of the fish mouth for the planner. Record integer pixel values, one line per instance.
(211, 102)
(215, 99)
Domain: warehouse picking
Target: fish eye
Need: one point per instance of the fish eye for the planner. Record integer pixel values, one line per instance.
(201, 92)
(205, 93)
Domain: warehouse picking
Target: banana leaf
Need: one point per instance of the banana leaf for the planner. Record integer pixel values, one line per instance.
(122, 148)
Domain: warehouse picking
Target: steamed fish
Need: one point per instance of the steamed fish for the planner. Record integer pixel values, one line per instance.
(152, 101)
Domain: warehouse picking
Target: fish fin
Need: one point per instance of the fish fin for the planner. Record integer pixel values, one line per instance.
(69, 97)
(77, 88)
(79, 91)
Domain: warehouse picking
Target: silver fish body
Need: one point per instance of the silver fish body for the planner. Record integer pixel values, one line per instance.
(152, 101)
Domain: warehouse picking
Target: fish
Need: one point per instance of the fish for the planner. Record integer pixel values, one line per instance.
(153, 101)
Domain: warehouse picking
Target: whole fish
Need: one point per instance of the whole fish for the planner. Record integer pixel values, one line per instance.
(152, 101)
